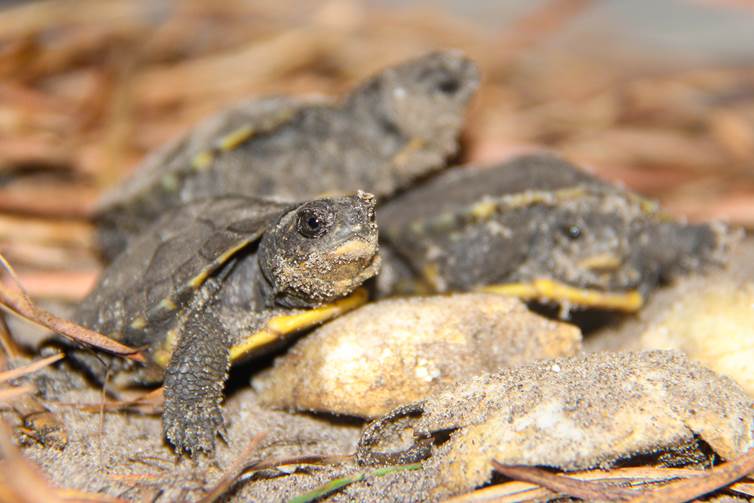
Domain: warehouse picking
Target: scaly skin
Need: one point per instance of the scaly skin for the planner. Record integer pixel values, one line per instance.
(194, 383)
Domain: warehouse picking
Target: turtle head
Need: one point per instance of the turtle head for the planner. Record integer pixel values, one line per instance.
(320, 250)
(614, 240)
(422, 99)
(585, 247)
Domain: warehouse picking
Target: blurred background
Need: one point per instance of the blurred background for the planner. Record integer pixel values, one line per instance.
(656, 95)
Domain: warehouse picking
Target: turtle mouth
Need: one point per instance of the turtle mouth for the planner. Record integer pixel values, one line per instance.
(602, 262)
(347, 285)
(331, 276)
(356, 262)
(353, 250)
(373, 267)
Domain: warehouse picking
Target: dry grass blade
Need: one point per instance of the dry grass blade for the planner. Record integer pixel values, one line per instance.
(506, 492)
(30, 368)
(234, 470)
(19, 303)
(32, 152)
(563, 484)
(299, 460)
(10, 394)
(40, 424)
(20, 478)
(59, 202)
(516, 491)
(84, 497)
(339, 483)
(144, 403)
(22, 482)
(273, 58)
(134, 478)
(31, 18)
(8, 346)
(540, 23)
(72, 233)
(745, 488)
(717, 478)
(71, 286)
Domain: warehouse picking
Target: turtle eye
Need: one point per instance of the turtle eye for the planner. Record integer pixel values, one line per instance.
(311, 224)
(448, 86)
(573, 232)
(441, 80)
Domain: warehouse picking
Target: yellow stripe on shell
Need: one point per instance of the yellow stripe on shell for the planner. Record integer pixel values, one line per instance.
(168, 304)
(200, 278)
(280, 326)
(532, 197)
(647, 206)
(490, 206)
(169, 182)
(483, 209)
(232, 140)
(202, 160)
(547, 289)
(139, 323)
(235, 138)
(275, 328)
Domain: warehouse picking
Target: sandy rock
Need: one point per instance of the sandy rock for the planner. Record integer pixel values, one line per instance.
(573, 413)
(710, 318)
(712, 324)
(395, 351)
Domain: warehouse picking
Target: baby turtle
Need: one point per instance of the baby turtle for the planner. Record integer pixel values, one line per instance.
(216, 279)
(397, 126)
(539, 228)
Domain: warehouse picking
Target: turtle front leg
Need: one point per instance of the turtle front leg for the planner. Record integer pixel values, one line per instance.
(194, 383)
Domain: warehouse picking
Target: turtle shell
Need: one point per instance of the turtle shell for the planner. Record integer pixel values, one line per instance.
(396, 127)
(142, 290)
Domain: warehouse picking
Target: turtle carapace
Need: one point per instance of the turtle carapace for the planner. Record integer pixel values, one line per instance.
(399, 125)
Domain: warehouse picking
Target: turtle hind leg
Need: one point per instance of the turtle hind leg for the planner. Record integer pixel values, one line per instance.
(194, 382)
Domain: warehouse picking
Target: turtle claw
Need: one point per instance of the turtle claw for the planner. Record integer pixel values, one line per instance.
(222, 431)
(193, 431)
